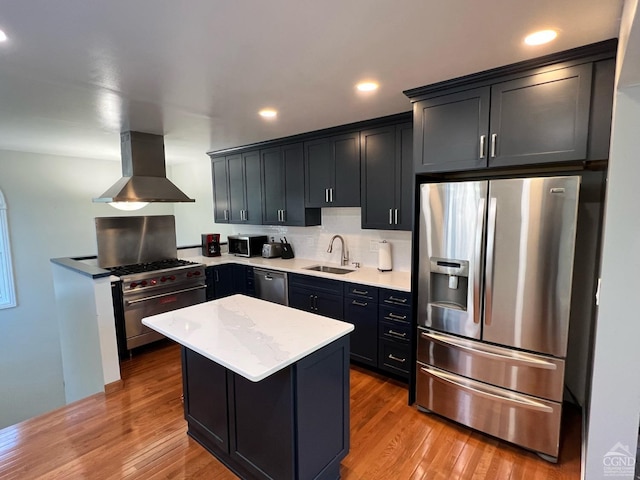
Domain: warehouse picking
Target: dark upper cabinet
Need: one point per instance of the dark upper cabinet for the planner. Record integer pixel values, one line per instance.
(332, 171)
(243, 171)
(533, 119)
(387, 177)
(540, 118)
(449, 129)
(220, 190)
(283, 187)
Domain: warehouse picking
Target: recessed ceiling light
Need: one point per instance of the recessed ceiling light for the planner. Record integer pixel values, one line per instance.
(3, 36)
(538, 38)
(268, 113)
(367, 86)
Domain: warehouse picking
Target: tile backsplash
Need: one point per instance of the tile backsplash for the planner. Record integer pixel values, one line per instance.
(312, 242)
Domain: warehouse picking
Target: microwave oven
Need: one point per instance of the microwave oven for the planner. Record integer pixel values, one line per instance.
(243, 245)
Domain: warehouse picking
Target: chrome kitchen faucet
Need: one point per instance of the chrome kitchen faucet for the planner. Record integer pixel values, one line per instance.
(344, 254)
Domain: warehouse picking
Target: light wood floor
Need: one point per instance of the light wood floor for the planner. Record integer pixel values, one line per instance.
(139, 432)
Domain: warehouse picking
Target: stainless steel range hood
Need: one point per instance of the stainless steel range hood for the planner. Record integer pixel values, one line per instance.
(143, 172)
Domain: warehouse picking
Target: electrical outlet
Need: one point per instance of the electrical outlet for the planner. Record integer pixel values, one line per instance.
(373, 245)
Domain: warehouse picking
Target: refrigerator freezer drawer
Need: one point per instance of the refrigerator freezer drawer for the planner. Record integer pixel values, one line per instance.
(526, 421)
(528, 373)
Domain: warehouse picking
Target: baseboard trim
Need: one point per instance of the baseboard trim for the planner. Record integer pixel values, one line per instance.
(114, 386)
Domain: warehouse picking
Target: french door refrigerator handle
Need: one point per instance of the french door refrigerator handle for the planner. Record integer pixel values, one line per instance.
(478, 261)
(491, 245)
(519, 400)
(521, 359)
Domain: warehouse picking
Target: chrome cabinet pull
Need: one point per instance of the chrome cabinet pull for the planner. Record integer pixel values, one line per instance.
(310, 302)
(360, 304)
(359, 292)
(482, 140)
(315, 302)
(390, 216)
(395, 218)
(392, 299)
(331, 195)
(494, 138)
(393, 316)
(397, 334)
(326, 195)
(226, 214)
(396, 359)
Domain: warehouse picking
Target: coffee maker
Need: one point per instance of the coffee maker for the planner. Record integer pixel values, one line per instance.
(211, 244)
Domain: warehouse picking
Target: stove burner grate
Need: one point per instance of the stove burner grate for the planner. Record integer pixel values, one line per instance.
(149, 267)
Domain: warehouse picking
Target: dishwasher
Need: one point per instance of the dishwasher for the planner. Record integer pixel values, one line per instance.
(271, 285)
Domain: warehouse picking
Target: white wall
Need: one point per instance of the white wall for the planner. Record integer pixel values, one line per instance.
(50, 215)
(614, 408)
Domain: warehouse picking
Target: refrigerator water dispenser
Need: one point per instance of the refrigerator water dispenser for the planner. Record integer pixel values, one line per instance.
(449, 283)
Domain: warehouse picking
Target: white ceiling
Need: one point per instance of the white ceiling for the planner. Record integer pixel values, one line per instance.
(73, 74)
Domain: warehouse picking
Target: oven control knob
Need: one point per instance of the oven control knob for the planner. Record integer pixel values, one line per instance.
(143, 283)
(172, 277)
(163, 279)
(189, 274)
(133, 285)
(153, 281)
(196, 273)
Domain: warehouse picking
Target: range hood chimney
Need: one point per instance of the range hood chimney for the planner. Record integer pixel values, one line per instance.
(144, 174)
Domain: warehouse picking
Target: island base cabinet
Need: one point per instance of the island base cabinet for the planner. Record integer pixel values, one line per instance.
(293, 424)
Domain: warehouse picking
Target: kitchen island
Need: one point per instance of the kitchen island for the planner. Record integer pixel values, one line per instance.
(266, 387)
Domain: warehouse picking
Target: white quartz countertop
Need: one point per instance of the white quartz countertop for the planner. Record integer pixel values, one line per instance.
(394, 280)
(251, 337)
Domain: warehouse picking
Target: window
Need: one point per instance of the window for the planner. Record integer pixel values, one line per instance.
(7, 291)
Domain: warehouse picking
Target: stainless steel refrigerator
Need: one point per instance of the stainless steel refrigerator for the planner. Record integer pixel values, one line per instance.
(494, 293)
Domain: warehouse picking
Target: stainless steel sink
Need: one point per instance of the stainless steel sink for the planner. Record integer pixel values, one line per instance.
(326, 269)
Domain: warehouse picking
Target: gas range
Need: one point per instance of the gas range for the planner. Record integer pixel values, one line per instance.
(142, 277)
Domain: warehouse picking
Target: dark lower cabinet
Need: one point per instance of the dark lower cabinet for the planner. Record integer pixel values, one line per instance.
(220, 281)
(292, 425)
(316, 295)
(394, 332)
(361, 310)
(229, 279)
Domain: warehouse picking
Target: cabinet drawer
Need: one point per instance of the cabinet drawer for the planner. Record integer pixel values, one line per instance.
(355, 290)
(316, 283)
(520, 371)
(394, 330)
(394, 357)
(395, 314)
(528, 421)
(395, 297)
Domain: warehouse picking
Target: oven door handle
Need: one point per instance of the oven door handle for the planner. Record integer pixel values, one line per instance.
(153, 297)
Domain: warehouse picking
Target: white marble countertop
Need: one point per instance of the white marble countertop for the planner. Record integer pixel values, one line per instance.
(395, 280)
(251, 337)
